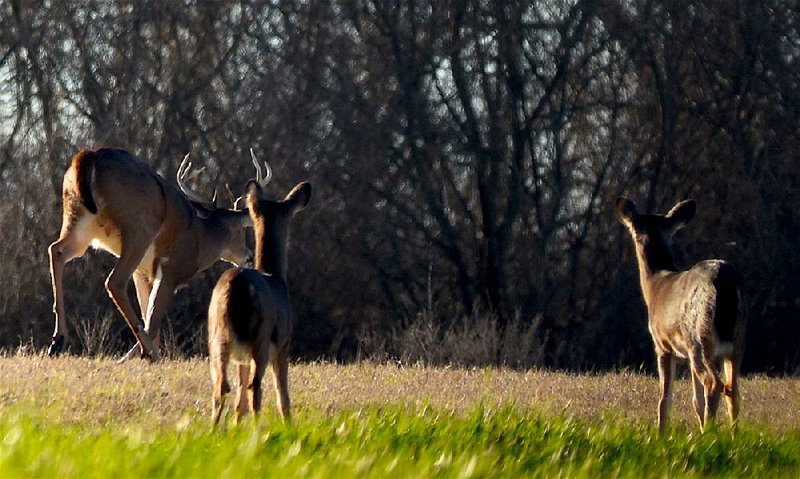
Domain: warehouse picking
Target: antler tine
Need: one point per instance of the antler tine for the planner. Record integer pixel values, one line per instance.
(183, 173)
(231, 197)
(258, 167)
(263, 181)
(268, 175)
(183, 165)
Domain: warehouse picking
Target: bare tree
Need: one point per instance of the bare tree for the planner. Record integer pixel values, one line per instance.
(469, 152)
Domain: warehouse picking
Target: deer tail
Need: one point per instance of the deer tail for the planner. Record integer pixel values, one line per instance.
(83, 162)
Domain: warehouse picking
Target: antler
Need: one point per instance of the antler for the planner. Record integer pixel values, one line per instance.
(265, 179)
(183, 174)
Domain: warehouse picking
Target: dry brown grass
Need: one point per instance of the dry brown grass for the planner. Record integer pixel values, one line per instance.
(78, 389)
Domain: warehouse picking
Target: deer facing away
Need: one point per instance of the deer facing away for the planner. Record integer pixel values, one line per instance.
(114, 201)
(249, 317)
(697, 315)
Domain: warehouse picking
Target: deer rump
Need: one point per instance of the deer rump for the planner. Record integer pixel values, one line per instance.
(251, 311)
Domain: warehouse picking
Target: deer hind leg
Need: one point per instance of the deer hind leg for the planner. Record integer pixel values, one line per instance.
(117, 286)
(731, 387)
(713, 390)
(245, 390)
(67, 247)
(666, 373)
(260, 361)
(219, 381)
(698, 400)
(704, 371)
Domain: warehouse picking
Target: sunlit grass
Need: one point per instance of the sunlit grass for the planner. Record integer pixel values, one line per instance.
(389, 442)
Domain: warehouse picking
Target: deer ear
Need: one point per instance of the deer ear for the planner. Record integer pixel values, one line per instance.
(681, 214)
(625, 210)
(298, 198)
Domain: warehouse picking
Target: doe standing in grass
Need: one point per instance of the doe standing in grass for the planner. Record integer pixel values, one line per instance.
(697, 315)
(250, 315)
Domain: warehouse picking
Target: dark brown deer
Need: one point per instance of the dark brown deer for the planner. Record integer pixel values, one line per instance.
(250, 316)
(162, 237)
(697, 315)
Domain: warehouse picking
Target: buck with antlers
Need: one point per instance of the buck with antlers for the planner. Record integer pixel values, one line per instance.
(697, 315)
(162, 237)
(249, 318)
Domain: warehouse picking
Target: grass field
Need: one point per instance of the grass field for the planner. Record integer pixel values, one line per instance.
(81, 417)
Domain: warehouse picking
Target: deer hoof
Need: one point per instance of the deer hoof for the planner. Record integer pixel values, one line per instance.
(154, 356)
(56, 346)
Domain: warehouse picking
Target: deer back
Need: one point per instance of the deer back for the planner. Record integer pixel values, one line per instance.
(129, 199)
(701, 304)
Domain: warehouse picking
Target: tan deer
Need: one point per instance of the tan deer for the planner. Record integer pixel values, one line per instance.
(697, 315)
(116, 202)
(249, 318)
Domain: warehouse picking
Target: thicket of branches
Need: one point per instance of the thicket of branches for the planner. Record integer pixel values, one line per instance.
(465, 156)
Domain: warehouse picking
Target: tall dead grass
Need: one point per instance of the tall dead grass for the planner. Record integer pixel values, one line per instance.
(97, 390)
(106, 334)
(466, 341)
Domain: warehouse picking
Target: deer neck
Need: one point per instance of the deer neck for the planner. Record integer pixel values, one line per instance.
(655, 260)
(270, 254)
(219, 231)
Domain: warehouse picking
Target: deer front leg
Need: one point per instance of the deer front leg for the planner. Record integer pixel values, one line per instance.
(143, 287)
(666, 372)
(117, 285)
(157, 305)
(116, 288)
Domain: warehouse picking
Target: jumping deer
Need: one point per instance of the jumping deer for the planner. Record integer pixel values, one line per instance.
(162, 237)
(697, 315)
(250, 315)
